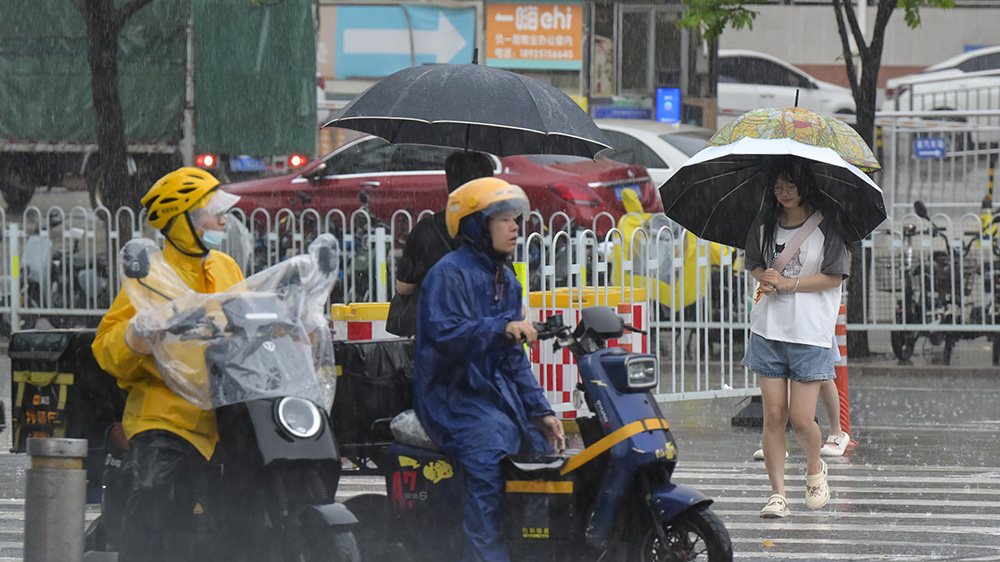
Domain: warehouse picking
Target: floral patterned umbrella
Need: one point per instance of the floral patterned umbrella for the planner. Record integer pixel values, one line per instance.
(801, 125)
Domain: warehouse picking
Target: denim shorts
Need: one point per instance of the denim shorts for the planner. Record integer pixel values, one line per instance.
(793, 361)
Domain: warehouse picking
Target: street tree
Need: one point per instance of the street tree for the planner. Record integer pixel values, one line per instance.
(714, 16)
(104, 20)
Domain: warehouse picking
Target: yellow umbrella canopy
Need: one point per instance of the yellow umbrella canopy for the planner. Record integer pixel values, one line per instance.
(807, 127)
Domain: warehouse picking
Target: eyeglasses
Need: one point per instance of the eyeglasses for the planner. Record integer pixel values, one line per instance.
(787, 188)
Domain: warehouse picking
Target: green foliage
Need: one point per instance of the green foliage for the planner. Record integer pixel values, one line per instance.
(911, 9)
(713, 16)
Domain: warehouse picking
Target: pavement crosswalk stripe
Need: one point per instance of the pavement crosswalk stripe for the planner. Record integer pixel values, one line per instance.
(778, 543)
(764, 525)
(838, 463)
(835, 477)
(842, 501)
(895, 515)
(840, 490)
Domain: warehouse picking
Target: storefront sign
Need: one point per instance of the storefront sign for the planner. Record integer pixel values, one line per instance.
(537, 36)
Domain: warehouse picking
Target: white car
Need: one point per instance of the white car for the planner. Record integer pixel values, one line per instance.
(660, 147)
(963, 82)
(751, 80)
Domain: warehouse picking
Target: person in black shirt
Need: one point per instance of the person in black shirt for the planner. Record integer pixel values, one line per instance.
(429, 241)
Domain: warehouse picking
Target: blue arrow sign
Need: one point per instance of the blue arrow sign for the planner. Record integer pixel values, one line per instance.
(375, 41)
(930, 147)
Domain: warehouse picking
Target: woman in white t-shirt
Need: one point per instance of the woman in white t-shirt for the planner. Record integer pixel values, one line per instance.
(793, 321)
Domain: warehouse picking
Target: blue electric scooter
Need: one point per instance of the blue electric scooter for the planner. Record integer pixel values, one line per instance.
(614, 500)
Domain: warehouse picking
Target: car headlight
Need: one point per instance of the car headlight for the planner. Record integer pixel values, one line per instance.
(299, 417)
(642, 373)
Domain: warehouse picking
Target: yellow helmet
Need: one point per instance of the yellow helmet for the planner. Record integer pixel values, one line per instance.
(486, 196)
(175, 193)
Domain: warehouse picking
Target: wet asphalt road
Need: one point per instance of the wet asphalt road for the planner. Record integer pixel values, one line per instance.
(922, 484)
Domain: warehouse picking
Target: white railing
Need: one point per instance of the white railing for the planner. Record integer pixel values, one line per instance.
(937, 283)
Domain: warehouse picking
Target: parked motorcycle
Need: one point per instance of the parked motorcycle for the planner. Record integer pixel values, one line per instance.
(938, 292)
(78, 281)
(260, 355)
(612, 501)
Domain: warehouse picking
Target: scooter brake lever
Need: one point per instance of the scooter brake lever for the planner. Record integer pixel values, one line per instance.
(634, 329)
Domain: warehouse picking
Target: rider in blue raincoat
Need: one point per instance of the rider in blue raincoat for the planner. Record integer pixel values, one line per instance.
(474, 391)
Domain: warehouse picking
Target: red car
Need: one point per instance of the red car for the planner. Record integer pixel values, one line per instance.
(411, 177)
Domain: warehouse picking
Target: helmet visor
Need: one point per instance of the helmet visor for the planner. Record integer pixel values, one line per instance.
(216, 203)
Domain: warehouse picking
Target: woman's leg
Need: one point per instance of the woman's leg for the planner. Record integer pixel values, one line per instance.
(802, 414)
(831, 402)
(774, 394)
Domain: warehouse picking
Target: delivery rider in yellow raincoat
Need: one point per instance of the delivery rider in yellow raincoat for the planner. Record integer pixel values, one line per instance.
(167, 434)
(671, 294)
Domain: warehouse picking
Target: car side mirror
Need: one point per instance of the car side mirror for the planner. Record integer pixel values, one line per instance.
(318, 172)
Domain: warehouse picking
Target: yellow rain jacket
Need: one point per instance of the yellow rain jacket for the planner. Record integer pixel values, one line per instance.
(685, 293)
(151, 404)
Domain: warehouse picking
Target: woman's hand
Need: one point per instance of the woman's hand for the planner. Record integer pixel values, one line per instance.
(552, 429)
(771, 280)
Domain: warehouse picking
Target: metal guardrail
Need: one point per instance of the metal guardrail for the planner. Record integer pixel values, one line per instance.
(919, 281)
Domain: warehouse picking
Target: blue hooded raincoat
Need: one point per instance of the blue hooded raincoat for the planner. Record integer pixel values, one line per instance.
(473, 391)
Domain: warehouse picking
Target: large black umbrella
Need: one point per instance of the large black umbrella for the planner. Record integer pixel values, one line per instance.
(721, 189)
(473, 107)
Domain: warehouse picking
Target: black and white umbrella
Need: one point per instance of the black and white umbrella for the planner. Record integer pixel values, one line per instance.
(473, 107)
(719, 191)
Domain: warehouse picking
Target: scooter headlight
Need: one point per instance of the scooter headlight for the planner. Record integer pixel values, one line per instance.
(642, 373)
(299, 417)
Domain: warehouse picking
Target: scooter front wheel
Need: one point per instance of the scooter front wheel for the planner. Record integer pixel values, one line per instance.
(696, 534)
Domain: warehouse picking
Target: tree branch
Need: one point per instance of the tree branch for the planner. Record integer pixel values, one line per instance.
(845, 44)
(856, 31)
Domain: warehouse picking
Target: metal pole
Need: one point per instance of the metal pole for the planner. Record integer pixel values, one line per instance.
(55, 499)
(380, 261)
(14, 239)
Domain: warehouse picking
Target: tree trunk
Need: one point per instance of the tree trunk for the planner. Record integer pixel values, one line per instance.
(103, 28)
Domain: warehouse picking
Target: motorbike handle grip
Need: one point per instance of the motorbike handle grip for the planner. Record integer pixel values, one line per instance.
(186, 321)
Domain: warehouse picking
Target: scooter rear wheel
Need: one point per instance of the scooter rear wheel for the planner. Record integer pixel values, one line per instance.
(697, 534)
(902, 344)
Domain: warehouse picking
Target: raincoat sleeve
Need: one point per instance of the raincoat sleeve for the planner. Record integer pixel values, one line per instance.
(447, 305)
(109, 347)
(531, 394)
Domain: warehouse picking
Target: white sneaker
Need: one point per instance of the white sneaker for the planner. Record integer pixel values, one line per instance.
(758, 455)
(835, 445)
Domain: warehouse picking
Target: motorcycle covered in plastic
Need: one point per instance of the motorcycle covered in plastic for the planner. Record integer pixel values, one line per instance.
(614, 500)
(260, 355)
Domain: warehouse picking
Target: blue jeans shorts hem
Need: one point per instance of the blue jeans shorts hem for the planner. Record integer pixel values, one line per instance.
(784, 360)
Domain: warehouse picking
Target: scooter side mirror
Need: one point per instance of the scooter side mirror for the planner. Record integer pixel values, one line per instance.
(135, 261)
(921, 210)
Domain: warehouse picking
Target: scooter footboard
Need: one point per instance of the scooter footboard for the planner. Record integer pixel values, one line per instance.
(671, 499)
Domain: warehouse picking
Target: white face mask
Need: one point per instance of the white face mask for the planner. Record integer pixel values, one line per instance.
(213, 238)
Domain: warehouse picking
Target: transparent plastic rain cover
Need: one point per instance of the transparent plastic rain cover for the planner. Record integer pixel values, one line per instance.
(265, 337)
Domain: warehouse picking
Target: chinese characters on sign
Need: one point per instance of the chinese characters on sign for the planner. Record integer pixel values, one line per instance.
(544, 36)
(929, 147)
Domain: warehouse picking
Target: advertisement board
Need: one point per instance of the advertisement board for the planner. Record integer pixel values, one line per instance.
(534, 36)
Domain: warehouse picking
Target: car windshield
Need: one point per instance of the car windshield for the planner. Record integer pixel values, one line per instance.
(689, 143)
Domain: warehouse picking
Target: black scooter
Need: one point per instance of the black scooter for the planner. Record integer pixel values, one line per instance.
(267, 371)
